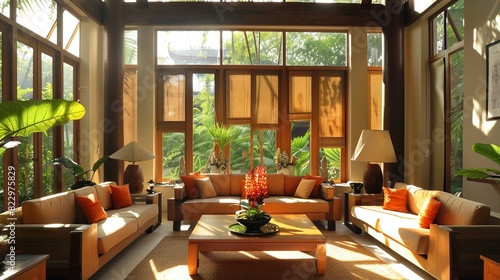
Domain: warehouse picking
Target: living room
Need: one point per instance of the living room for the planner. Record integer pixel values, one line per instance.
(407, 87)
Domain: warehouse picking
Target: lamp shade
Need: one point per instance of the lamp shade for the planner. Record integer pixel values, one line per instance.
(374, 146)
(132, 152)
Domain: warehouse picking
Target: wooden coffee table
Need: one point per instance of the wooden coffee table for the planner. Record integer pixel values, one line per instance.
(297, 233)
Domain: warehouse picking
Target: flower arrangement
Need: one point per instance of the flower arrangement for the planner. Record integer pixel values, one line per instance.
(282, 160)
(256, 190)
(220, 161)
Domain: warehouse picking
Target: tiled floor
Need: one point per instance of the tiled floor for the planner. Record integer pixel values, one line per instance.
(124, 263)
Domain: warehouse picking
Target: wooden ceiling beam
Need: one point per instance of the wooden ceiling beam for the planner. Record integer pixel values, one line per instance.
(95, 9)
(254, 14)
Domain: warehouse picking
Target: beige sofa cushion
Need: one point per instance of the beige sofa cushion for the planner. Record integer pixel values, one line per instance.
(56, 208)
(291, 205)
(402, 227)
(221, 183)
(142, 212)
(112, 230)
(213, 205)
(104, 194)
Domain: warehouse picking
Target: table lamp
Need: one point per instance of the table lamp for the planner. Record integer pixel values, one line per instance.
(132, 176)
(374, 146)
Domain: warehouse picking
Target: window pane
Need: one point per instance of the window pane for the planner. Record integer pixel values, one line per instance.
(300, 93)
(71, 34)
(374, 45)
(1, 75)
(68, 129)
(25, 171)
(316, 49)
(130, 105)
(331, 105)
(5, 7)
(172, 107)
(456, 121)
(438, 27)
(38, 16)
(130, 52)
(264, 148)
(455, 23)
(47, 138)
(301, 146)
(437, 121)
(252, 47)
(376, 99)
(172, 150)
(203, 117)
(188, 47)
(333, 158)
(238, 96)
(240, 149)
(266, 100)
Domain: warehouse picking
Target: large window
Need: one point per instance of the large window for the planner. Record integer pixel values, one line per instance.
(305, 118)
(34, 75)
(446, 79)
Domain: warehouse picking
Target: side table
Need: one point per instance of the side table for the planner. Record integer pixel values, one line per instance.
(491, 266)
(351, 199)
(25, 267)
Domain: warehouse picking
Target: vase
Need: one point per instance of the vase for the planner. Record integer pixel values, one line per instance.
(253, 226)
(288, 170)
(216, 170)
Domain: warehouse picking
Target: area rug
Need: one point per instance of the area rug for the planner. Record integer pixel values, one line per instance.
(346, 259)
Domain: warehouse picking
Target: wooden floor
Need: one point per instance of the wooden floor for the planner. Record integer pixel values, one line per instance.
(124, 263)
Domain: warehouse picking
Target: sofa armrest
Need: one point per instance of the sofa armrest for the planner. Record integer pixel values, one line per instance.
(327, 191)
(72, 247)
(454, 250)
(180, 192)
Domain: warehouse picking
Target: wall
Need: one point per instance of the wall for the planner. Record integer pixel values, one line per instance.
(482, 26)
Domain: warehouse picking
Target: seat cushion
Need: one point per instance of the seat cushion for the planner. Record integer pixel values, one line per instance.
(291, 205)
(212, 205)
(141, 212)
(400, 226)
(112, 230)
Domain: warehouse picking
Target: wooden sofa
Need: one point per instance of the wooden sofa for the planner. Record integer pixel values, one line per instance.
(55, 225)
(281, 200)
(461, 231)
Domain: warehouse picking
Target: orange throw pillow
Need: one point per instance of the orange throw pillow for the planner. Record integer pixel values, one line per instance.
(120, 196)
(190, 184)
(395, 199)
(316, 191)
(428, 212)
(92, 208)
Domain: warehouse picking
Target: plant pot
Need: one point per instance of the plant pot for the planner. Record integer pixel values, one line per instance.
(81, 184)
(289, 170)
(216, 170)
(254, 225)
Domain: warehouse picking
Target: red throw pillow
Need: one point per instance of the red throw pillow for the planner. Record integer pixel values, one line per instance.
(120, 196)
(316, 191)
(92, 208)
(190, 184)
(428, 212)
(395, 199)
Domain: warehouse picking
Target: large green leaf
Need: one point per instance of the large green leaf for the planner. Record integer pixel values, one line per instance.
(491, 151)
(22, 118)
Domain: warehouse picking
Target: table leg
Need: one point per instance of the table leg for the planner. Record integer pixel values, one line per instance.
(192, 258)
(321, 258)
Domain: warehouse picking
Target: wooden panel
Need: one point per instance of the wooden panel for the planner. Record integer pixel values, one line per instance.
(256, 14)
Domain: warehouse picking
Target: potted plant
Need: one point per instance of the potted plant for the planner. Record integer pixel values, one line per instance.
(82, 177)
(283, 163)
(222, 136)
(490, 151)
(252, 217)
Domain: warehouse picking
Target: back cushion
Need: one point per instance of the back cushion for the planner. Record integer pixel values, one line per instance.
(291, 182)
(56, 208)
(104, 194)
(456, 210)
(276, 184)
(80, 217)
(221, 183)
(236, 183)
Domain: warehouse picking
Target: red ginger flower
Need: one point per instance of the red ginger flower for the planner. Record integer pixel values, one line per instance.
(256, 186)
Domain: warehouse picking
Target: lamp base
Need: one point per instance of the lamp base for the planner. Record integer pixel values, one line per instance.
(134, 178)
(373, 179)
